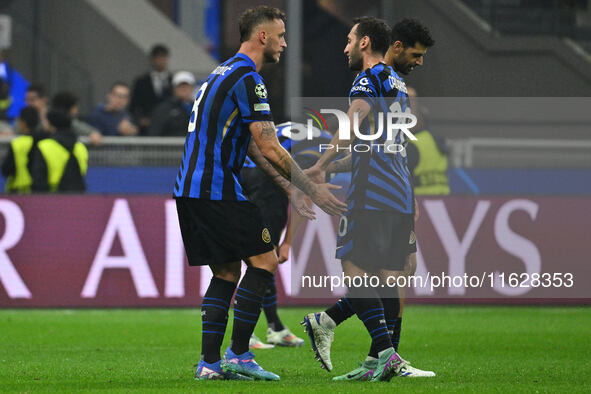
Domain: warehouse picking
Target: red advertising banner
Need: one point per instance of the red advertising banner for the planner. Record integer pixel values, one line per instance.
(110, 251)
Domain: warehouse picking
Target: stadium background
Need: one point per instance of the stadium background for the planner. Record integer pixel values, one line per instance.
(484, 85)
(118, 245)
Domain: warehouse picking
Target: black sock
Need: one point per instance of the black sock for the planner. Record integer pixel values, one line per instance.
(214, 316)
(391, 309)
(396, 335)
(247, 306)
(340, 311)
(270, 307)
(371, 312)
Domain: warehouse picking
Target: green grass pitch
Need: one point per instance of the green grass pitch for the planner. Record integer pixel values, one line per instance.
(472, 349)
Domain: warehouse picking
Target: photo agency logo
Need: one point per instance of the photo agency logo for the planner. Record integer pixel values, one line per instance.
(385, 132)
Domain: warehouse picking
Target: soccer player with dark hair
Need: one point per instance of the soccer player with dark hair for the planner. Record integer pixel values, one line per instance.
(410, 40)
(377, 222)
(220, 227)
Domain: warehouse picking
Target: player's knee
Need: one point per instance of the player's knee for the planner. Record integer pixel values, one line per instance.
(229, 272)
(267, 261)
(271, 264)
(229, 276)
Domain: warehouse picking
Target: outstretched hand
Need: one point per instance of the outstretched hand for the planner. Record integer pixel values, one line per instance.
(298, 202)
(327, 201)
(317, 174)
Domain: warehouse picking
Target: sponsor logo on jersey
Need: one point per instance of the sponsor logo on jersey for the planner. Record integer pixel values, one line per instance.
(360, 88)
(364, 81)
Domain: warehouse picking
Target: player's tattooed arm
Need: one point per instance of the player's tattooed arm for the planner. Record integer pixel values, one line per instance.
(264, 133)
(341, 165)
(265, 137)
(257, 157)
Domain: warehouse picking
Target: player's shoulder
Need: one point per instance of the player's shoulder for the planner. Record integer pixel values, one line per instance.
(364, 85)
(237, 67)
(390, 77)
(364, 78)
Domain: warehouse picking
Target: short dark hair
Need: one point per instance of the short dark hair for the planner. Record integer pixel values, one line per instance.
(64, 100)
(377, 30)
(159, 50)
(30, 116)
(37, 88)
(410, 31)
(255, 16)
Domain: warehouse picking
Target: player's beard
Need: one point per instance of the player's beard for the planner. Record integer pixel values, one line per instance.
(355, 59)
(271, 56)
(401, 68)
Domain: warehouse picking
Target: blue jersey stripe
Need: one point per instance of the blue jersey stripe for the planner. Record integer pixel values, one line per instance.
(384, 185)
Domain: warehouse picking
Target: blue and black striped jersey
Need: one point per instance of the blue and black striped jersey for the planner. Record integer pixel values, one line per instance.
(233, 96)
(293, 137)
(380, 179)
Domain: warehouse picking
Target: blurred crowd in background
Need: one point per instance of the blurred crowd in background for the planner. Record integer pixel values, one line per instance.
(156, 103)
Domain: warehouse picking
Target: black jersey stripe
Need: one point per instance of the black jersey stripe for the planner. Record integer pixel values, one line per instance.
(212, 127)
(243, 139)
(384, 193)
(228, 146)
(384, 178)
(196, 132)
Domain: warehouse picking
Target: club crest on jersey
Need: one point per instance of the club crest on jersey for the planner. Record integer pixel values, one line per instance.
(266, 236)
(261, 91)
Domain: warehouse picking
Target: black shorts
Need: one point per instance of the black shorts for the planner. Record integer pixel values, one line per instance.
(376, 239)
(216, 232)
(270, 198)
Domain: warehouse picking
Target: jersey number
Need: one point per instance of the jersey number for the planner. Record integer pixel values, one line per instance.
(195, 111)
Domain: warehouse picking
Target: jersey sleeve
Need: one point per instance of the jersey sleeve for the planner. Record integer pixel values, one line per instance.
(251, 97)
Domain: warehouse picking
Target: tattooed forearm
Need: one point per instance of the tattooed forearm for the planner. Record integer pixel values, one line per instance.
(262, 163)
(342, 165)
(265, 136)
(265, 131)
(288, 168)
